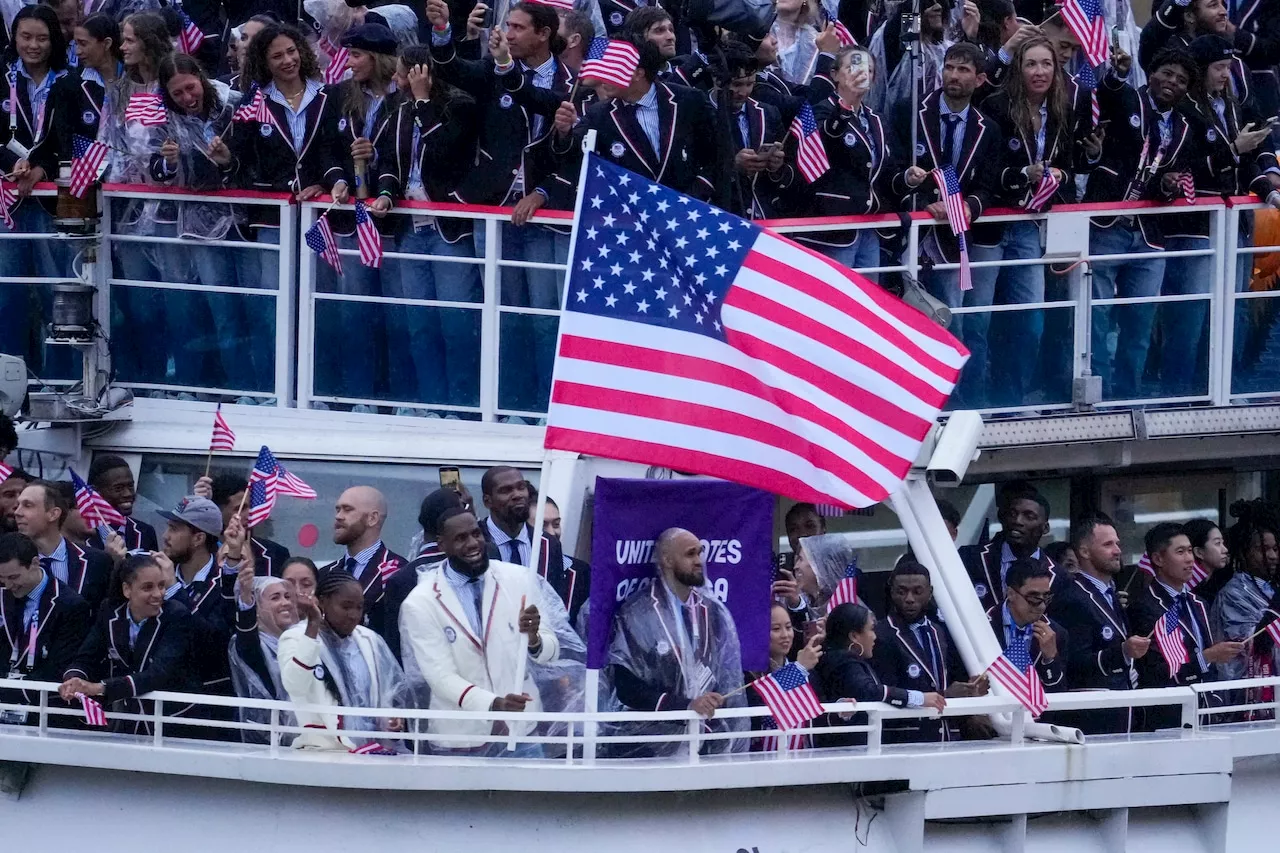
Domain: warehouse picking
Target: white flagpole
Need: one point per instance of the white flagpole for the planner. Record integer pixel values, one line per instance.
(535, 551)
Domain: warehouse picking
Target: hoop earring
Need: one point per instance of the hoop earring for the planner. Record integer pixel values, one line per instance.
(859, 653)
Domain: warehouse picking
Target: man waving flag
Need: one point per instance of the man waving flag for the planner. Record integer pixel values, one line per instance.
(695, 340)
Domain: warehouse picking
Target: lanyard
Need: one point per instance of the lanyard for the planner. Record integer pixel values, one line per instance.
(13, 97)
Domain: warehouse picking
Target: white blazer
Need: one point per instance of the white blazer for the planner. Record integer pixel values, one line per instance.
(467, 671)
(301, 660)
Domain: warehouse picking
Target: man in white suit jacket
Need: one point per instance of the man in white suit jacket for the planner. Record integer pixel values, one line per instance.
(466, 625)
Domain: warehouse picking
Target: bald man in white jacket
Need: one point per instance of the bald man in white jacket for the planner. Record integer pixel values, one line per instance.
(465, 626)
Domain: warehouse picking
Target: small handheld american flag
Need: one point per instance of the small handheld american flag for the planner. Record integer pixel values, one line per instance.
(957, 217)
(5, 472)
(337, 67)
(368, 237)
(846, 591)
(93, 507)
(254, 107)
(93, 713)
(1089, 82)
(1187, 185)
(842, 33)
(371, 748)
(87, 156)
(320, 240)
(224, 438)
(191, 37)
(1198, 575)
(1086, 21)
(146, 108)
(789, 695)
(562, 5)
(1144, 563)
(1016, 673)
(8, 198)
(1168, 636)
(1273, 627)
(811, 155)
(1044, 191)
(610, 61)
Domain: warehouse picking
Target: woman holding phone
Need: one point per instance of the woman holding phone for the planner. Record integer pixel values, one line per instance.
(781, 639)
(858, 151)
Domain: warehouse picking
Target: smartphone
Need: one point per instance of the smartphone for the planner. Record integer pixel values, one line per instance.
(450, 478)
(768, 148)
(487, 21)
(1115, 38)
(858, 62)
(812, 628)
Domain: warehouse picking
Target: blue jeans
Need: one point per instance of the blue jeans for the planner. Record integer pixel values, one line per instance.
(1122, 373)
(171, 315)
(1015, 335)
(435, 354)
(349, 335)
(24, 308)
(1183, 324)
(863, 253)
(970, 328)
(525, 382)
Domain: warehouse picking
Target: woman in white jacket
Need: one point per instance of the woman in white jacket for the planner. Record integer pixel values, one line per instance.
(330, 659)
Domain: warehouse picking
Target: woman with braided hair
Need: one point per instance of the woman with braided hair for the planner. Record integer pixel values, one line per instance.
(330, 659)
(1242, 606)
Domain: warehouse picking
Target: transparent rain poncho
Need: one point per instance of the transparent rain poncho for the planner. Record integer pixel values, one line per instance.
(675, 660)
(201, 220)
(366, 674)
(560, 682)
(829, 555)
(247, 678)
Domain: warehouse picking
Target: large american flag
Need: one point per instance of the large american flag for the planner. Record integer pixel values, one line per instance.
(320, 239)
(87, 156)
(1015, 672)
(811, 156)
(695, 340)
(1168, 636)
(957, 217)
(8, 199)
(1085, 19)
(224, 438)
(191, 37)
(368, 237)
(93, 507)
(789, 695)
(146, 108)
(846, 591)
(611, 61)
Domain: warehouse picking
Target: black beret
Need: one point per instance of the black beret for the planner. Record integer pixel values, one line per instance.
(1210, 49)
(375, 38)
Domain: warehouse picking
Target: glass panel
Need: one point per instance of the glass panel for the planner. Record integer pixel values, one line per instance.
(1256, 345)
(305, 527)
(1019, 358)
(524, 382)
(534, 288)
(201, 339)
(403, 353)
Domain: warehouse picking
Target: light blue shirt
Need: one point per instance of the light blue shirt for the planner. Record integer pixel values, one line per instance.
(38, 93)
(179, 584)
(1006, 559)
(1044, 123)
(135, 628)
(961, 127)
(1191, 621)
(362, 559)
(58, 562)
(31, 606)
(470, 594)
(502, 540)
(297, 120)
(647, 118)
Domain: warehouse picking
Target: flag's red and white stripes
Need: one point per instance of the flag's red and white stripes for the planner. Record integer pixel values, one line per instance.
(87, 156)
(336, 70)
(146, 108)
(93, 713)
(823, 392)
(1273, 627)
(292, 485)
(842, 33)
(371, 748)
(368, 237)
(1044, 191)
(617, 65)
(8, 200)
(224, 438)
(1187, 184)
(5, 472)
(255, 109)
(387, 568)
(811, 154)
(957, 217)
(1025, 687)
(789, 695)
(1086, 22)
(1168, 637)
(92, 506)
(846, 592)
(191, 37)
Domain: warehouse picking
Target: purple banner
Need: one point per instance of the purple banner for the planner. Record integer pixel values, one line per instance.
(735, 524)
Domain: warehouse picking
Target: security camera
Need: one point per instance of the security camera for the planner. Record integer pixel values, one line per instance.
(956, 449)
(13, 384)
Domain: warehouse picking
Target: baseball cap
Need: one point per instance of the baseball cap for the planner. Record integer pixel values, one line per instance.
(201, 513)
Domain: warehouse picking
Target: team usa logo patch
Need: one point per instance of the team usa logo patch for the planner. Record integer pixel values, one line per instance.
(1014, 144)
(617, 149)
(88, 117)
(1107, 633)
(505, 102)
(318, 672)
(913, 671)
(850, 140)
(264, 129)
(450, 634)
(980, 589)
